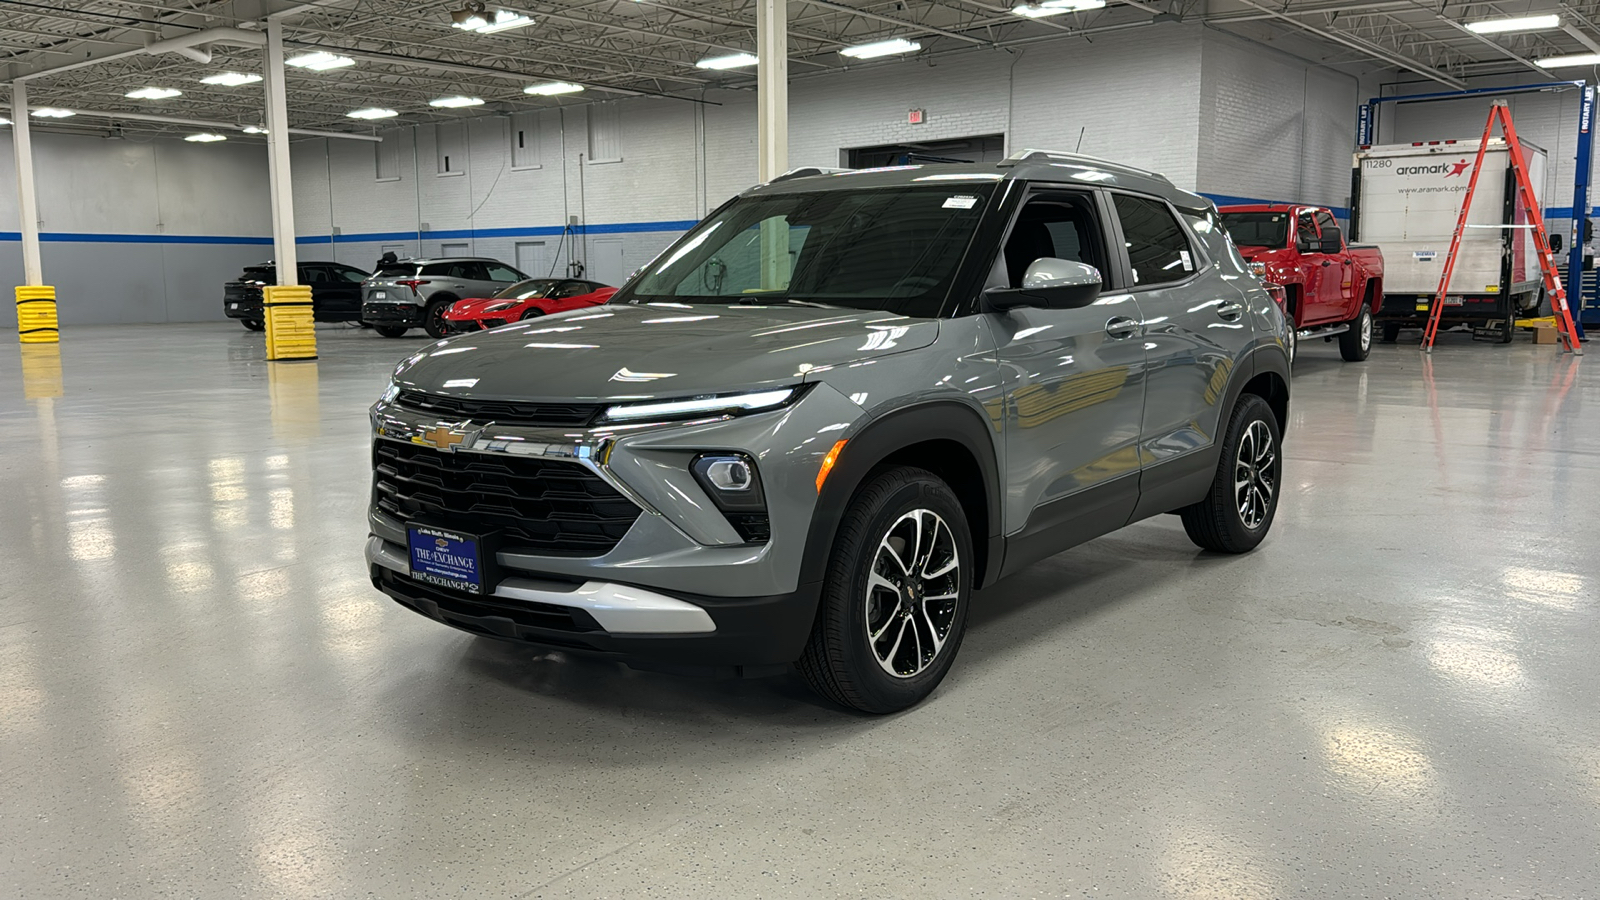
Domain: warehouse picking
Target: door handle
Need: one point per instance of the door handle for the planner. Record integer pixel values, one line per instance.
(1122, 327)
(1230, 311)
(1326, 263)
(1348, 263)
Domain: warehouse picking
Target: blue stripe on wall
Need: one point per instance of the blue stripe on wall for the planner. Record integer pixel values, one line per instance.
(72, 237)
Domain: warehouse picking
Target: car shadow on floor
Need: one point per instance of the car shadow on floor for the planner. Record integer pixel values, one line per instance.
(1041, 603)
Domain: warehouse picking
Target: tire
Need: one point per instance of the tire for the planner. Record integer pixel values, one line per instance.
(1355, 344)
(433, 318)
(1391, 332)
(391, 331)
(1294, 343)
(531, 314)
(1508, 327)
(253, 324)
(867, 589)
(1234, 519)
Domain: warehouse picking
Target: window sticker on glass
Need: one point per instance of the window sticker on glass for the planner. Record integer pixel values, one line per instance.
(960, 201)
(1188, 264)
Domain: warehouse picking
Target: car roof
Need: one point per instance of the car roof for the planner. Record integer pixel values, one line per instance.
(425, 260)
(301, 262)
(1024, 165)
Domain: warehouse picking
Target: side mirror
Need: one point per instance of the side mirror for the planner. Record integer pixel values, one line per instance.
(1331, 246)
(1052, 284)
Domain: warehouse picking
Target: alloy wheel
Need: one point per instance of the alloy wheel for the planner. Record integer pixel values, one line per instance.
(1255, 474)
(1366, 332)
(912, 592)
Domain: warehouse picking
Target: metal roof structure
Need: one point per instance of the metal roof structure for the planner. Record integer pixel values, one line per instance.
(407, 53)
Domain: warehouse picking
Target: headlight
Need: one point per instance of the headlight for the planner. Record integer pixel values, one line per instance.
(390, 394)
(721, 404)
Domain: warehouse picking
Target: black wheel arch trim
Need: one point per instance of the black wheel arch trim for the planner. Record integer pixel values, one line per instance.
(882, 437)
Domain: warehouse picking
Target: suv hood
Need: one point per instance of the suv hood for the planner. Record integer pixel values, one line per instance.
(658, 350)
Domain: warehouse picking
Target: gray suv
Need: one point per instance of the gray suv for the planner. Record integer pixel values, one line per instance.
(811, 428)
(414, 293)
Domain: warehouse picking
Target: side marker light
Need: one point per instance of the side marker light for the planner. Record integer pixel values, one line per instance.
(827, 464)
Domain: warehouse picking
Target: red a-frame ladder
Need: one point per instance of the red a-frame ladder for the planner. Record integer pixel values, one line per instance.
(1525, 196)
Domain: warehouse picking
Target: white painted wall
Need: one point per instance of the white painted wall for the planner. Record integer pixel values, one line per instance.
(1211, 112)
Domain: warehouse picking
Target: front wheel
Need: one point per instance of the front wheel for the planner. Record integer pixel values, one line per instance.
(253, 324)
(1355, 344)
(894, 600)
(1238, 511)
(391, 331)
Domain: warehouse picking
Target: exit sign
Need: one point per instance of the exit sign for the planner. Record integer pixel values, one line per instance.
(916, 117)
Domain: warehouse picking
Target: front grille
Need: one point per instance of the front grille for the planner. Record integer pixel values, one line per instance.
(540, 506)
(501, 412)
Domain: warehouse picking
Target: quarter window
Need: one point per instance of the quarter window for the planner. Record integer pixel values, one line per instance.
(498, 272)
(1158, 248)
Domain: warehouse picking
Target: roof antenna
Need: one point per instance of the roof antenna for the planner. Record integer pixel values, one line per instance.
(1080, 139)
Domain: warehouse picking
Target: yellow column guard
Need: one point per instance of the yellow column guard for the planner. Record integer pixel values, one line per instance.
(36, 315)
(291, 330)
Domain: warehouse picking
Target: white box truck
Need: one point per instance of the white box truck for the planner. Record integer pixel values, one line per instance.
(1406, 199)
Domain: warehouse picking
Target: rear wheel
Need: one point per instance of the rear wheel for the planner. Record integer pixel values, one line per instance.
(1508, 326)
(253, 324)
(894, 600)
(1236, 514)
(1391, 332)
(433, 318)
(1355, 344)
(391, 331)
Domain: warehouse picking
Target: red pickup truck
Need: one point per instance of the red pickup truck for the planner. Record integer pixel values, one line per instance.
(1331, 289)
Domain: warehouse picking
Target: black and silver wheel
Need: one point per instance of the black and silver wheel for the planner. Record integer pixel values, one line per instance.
(1355, 344)
(391, 331)
(1243, 500)
(253, 324)
(894, 604)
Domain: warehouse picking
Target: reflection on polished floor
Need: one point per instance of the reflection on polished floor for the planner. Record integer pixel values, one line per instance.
(202, 695)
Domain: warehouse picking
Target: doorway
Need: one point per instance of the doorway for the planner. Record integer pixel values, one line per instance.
(455, 249)
(605, 261)
(533, 259)
(984, 148)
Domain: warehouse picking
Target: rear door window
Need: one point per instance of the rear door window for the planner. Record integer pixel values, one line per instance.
(499, 272)
(1158, 248)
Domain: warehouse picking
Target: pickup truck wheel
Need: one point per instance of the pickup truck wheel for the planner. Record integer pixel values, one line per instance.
(1238, 511)
(894, 599)
(1355, 344)
(254, 324)
(1508, 328)
(391, 331)
(1391, 332)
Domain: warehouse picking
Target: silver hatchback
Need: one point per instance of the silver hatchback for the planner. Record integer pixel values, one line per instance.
(414, 293)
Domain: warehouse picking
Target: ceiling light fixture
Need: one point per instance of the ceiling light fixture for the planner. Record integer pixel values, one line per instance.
(551, 88)
(1520, 23)
(50, 112)
(1555, 62)
(1056, 8)
(472, 16)
(231, 79)
(456, 102)
(319, 61)
(4, 121)
(153, 93)
(881, 48)
(254, 129)
(735, 61)
(204, 138)
(372, 112)
(504, 20)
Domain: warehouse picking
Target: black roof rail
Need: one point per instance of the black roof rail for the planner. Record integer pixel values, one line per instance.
(1033, 155)
(806, 172)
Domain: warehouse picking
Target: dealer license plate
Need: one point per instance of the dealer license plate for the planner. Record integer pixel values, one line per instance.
(445, 558)
(233, 306)
(379, 295)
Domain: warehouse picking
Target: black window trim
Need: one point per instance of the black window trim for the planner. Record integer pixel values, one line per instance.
(1202, 258)
(1033, 191)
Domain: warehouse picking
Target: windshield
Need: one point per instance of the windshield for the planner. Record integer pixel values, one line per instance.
(894, 249)
(532, 289)
(1257, 229)
(396, 270)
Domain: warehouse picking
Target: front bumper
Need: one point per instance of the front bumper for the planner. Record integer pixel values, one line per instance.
(643, 628)
(467, 326)
(409, 315)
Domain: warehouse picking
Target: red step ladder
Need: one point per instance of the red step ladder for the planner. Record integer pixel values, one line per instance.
(1547, 260)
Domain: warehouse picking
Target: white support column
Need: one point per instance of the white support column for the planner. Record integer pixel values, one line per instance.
(772, 88)
(282, 187)
(27, 197)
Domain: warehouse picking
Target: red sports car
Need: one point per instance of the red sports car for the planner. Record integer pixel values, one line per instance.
(524, 300)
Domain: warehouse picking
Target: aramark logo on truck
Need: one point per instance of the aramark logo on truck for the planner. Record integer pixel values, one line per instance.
(1445, 169)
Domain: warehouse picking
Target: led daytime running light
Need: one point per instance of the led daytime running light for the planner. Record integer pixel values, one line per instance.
(672, 409)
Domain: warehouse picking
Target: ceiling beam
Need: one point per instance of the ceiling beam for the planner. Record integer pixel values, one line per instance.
(1367, 47)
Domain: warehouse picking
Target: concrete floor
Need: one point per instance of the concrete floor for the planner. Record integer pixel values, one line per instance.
(202, 696)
